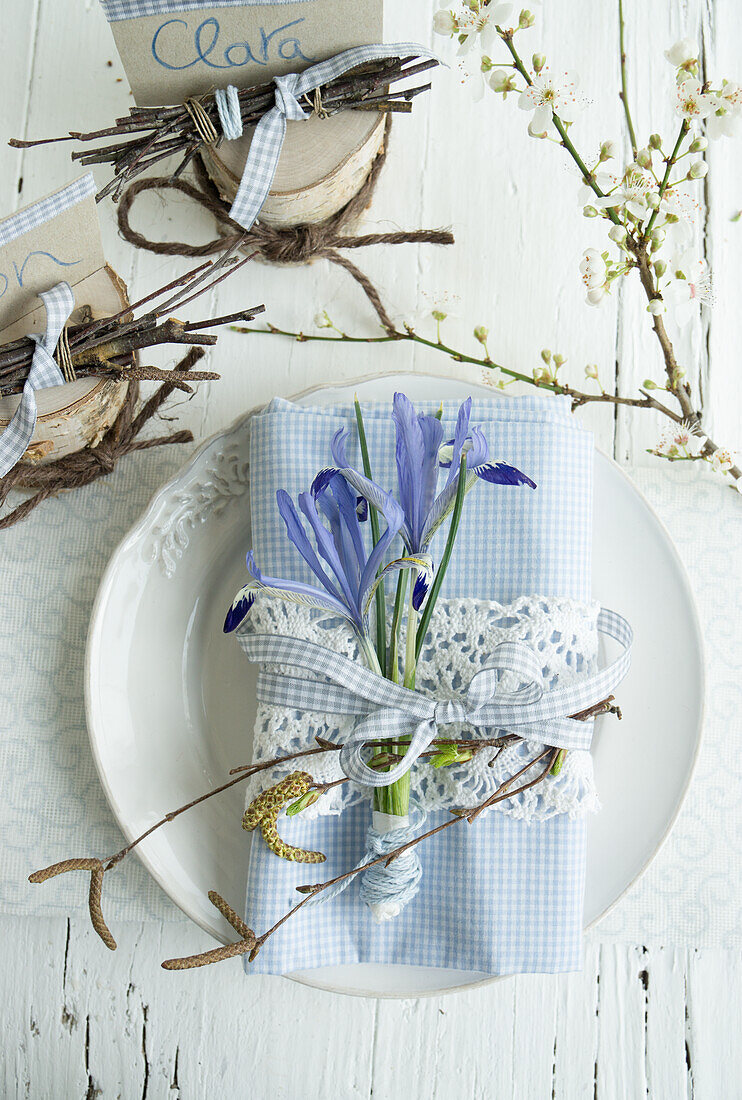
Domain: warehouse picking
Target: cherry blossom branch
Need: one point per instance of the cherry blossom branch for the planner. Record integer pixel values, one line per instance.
(551, 385)
(623, 94)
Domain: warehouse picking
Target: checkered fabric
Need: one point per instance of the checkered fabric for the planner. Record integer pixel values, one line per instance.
(270, 132)
(393, 712)
(39, 212)
(59, 303)
(116, 10)
(501, 896)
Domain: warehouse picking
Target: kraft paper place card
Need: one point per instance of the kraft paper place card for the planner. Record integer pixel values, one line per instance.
(172, 49)
(54, 240)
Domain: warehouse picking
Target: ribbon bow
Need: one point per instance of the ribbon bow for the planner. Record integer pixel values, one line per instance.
(270, 132)
(388, 712)
(59, 303)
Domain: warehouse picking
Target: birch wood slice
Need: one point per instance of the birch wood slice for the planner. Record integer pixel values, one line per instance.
(323, 164)
(79, 413)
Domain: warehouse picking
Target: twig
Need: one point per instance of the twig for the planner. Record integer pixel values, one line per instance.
(99, 867)
(105, 347)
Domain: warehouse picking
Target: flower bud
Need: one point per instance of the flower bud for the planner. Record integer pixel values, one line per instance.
(648, 384)
(655, 307)
(698, 170)
(322, 319)
(657, 236)
(481, 333)
(660, 267)
(301, 804)
(617, 233)
(538, 61)
(644, 158)
(591, 371)
(698, 145)
(589, 212)
(608, 150)
(444, 23)
(655, 141)
(546, 355)
(527, 19)
(558, 360)
(501, 81)
(653, 200)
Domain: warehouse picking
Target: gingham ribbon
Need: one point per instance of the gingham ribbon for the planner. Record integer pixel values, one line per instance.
(59, 303)
(388, 712)
(270, 132)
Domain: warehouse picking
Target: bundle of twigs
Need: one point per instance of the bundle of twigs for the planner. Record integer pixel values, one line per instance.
(148, 135)
(106, 347)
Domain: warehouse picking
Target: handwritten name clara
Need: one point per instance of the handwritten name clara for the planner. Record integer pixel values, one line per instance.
(281, 44)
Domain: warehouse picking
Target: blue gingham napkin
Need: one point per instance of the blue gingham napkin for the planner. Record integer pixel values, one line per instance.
(501, 896)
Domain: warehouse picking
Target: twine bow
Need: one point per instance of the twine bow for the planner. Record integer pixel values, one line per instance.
(388, 712)
(270, 132)
(58, 303)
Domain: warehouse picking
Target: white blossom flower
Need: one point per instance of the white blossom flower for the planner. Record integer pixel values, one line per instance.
(433, 307)
(693, 286)
(593, 271)
(473, 70)
(479, 25)
(722, 460)
(725, 119)
(632, 193)
(548, 95)
(693, 102)
(680, 442)
(682, 53)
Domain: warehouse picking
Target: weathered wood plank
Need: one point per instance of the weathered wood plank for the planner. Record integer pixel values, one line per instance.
(620, 1070)
(651, 88)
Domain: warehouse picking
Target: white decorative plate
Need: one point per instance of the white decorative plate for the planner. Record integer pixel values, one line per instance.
(170, 698)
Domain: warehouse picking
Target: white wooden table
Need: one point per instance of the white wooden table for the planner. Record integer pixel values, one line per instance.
(661, 1023)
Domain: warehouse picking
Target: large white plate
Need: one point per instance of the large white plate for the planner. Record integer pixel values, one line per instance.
(170, 698)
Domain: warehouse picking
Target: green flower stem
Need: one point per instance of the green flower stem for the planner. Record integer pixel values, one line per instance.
(392, 667)
(560, 127)
(375, 535)
(624, 96)
(369, 654)
(435, 588)
(684, 127)
(395, 799)
(385, 798)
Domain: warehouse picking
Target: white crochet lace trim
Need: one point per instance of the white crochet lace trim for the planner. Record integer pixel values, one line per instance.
(462, 636)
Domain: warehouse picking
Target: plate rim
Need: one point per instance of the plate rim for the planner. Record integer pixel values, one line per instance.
(136, 531)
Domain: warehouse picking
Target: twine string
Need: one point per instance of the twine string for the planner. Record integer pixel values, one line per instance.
(88, 465)
(205, 128)
(295, 245)
(385, 888)
(64, 356)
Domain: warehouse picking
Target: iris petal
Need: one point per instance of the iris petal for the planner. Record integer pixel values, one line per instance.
(499, 473)
(239, 610)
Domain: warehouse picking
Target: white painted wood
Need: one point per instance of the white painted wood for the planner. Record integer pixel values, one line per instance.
(664, 1024)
